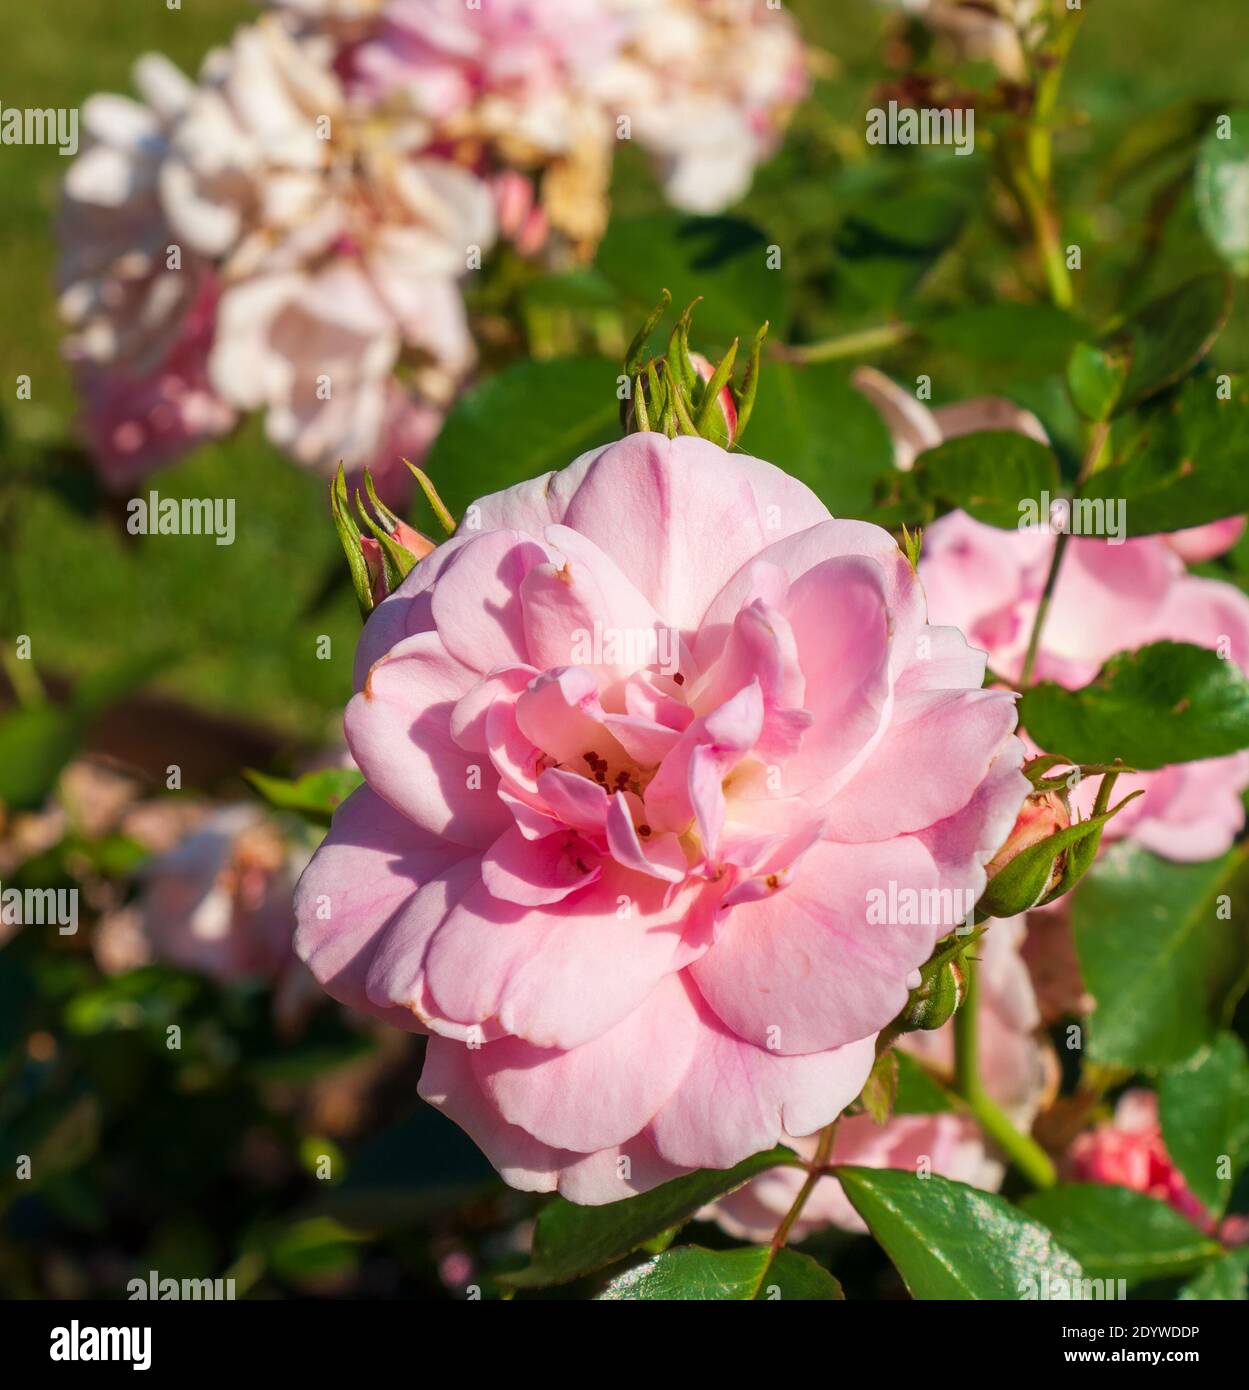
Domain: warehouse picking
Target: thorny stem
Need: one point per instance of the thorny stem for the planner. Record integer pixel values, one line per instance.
(815, 1171)
(1027, 1155)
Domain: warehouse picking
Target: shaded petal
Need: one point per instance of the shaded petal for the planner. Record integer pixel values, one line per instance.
(595, 1095)
(809, 968)
(399, 732)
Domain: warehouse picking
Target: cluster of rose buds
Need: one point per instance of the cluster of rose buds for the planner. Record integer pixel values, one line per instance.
(287, 234)
(682, 392)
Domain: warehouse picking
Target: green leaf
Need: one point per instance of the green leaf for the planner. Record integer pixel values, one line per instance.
(1116, 1233)
(524, 421)
(1095, 379)
(1204, 1108)
(1169, 336)
(570, 1240)
(880, 1090)
(949, 1240)
(750, 1274)
(315, 795)
(35, 744)
(721, 258)
(918, 1092)
(988, 475)
(1179, 461)
(1226, 1280)
(1158, 953)
(1034, 337)
(1222, 191)
(1166, 703)
(812, 423)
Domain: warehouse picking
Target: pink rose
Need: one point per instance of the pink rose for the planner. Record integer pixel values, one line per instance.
(1109, 598)
(1017, 1071)
(1128, 1151)
(641, 743)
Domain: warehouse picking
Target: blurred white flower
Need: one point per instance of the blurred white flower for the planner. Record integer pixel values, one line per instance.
(707, 85)
(140, 307)
(340, 245)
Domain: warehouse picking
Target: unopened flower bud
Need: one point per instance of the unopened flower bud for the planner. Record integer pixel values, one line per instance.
(1043, 814)
(935, 1001)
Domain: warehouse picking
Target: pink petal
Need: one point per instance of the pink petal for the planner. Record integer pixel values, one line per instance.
(808, 968)
(476, 604)
(557, 979)
(735, 1099)
(597, 1094)
(399, 732)
(533, 873)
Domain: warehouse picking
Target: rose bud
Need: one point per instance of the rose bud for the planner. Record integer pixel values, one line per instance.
(403, 535)
(1042, 815)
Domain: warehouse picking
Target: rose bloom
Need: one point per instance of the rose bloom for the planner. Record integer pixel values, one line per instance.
(709, 86)
(1128, 1150)
(217, 903)
(340, 239)
(141, 329)
(1017, 1071)
(1110, 598)
(639, 743)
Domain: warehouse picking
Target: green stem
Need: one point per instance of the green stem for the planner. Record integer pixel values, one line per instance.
(858, 344)
(1023, 1151)
(23, 677)
(823, 1153)
(1029, 159)
(1051, 579)
(1098, 434)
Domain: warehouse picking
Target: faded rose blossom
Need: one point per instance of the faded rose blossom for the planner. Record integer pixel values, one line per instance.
(1018, 1071)
(980, 32)
(915, 428)
(511, 84)
(218, 903)
(522, 220)
(1128, 1151)
(708, 86)
(636, 751)
(1109, 598)
(1049, 950)
(141, 327)
(340, 244)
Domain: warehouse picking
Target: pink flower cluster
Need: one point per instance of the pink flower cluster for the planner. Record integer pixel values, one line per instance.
(1110, 598)
(287, 234)
(643, 747)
